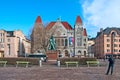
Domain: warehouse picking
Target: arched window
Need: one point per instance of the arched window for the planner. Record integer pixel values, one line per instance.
(84, 53)
(66, 53)
(79, 51)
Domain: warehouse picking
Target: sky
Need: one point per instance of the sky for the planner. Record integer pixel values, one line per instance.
(95, 14)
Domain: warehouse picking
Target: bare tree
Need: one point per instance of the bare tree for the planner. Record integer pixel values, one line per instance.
(40, 38)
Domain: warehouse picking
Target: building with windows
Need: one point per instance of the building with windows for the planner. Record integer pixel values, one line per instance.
(13, 44)
(69, 41)
(107, 42)
(91, 44)
(81, 40)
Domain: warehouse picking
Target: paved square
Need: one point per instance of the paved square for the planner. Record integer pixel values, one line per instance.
(48, 72)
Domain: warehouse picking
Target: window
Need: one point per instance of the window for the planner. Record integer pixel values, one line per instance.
(71, 41)
(62, 42)
(1, 40)
(108, 50)
(79, 41)
(115, 50)
(115, 40)
(84, 53)
(1, 45)
(58, 42)
(79, 51)
(8, 40)
(3, 34)
(108, 45)
(115, 45)
(108, 40)
(85, 40)
(8, 46)
(66, 42)
(85, 45)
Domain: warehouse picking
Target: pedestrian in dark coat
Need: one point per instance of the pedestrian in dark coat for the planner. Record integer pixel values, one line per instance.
(111, 64)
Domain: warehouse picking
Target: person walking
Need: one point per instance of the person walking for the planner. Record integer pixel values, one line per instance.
(111, 64)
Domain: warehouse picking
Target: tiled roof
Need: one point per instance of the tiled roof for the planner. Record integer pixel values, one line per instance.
(38, 20)
(50, 25)
(78, 20)
(84, 32)
(65, 24)
(108, 30)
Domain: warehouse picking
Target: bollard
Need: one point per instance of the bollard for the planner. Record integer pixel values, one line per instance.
(40, 63)
(58, 63)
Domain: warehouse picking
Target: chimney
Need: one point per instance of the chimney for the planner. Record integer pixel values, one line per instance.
(101, 29)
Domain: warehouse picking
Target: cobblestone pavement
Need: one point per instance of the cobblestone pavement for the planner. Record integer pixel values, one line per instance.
(47, 72)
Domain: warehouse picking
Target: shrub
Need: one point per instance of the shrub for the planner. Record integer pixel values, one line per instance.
(12, 61)
(82, 61)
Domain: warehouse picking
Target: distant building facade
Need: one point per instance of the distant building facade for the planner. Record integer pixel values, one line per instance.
(91, 44)
(13, 44)
(81, 40)
(69, 41)
(107, 42)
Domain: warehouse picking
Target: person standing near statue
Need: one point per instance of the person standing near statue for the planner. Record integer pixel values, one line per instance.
(111, 64)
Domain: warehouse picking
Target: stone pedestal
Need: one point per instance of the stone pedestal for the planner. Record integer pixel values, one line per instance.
(52, 55)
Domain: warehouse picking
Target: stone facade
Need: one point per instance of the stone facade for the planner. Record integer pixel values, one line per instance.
(91, 44)
(13, 44)
(81, 39)
(69, 41)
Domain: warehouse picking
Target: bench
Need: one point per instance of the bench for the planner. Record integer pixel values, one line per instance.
(71, 62)
(4, 63)
(93, 63)
(22, 62)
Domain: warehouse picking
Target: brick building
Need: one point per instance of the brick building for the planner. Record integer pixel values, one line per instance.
(107, 42)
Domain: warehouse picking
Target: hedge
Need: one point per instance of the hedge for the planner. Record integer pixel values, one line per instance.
(12, 61)
(82, 61)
